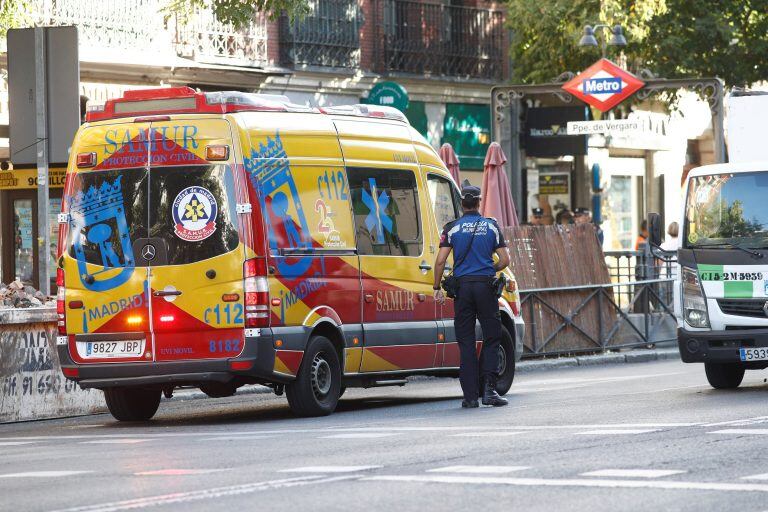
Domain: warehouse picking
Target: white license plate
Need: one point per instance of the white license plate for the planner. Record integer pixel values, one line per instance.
(110, 349)
(753, 354)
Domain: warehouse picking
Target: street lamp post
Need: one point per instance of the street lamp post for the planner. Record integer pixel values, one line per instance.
(589, 39)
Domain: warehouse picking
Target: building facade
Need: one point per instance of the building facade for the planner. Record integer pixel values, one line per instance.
(446, 55)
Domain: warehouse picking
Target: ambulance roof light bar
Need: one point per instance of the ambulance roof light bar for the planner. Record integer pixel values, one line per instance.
(362, 110)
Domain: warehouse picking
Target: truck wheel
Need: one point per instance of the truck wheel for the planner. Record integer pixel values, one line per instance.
(506, 362)
(724, 375)
(132, 404)
(317, 387)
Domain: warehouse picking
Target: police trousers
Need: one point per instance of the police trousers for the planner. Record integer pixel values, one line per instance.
(477, 301)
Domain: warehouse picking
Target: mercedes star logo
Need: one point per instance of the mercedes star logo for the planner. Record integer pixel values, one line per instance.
(148, 252)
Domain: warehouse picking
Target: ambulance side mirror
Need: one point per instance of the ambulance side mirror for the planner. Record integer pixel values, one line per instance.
(654, 229)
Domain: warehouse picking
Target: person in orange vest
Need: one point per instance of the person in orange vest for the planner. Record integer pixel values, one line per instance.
(642, 238)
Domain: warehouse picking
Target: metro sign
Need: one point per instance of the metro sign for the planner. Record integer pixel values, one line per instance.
(603, 85)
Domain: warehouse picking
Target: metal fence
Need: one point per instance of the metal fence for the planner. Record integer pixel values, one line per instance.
(575, 298)
(328, 36)
(443, 40)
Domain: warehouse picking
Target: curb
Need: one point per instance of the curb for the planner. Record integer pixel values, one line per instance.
(635, 356)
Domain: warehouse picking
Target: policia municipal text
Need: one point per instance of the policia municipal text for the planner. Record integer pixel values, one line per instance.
(474, 239)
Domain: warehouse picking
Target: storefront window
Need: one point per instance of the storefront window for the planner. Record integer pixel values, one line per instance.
(468, 129)
(22, 243)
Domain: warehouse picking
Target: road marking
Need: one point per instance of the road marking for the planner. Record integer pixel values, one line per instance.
(359, 435)
(43, 474)
(15, 443)
(237, 438)
(742, 431)
(216, 492)
(616, 432)
(488, 434)
(740, 423)
(763, 476)
(329, 469)
(116, 441)
(478, 469)
(571, 482)
(634, 473)
(178, 472)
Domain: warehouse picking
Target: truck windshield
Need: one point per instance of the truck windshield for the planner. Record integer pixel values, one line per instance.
(727, 209)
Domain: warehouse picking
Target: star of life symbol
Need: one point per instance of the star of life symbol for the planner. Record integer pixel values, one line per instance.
(603, 85)
(377, 221)
(194, 214)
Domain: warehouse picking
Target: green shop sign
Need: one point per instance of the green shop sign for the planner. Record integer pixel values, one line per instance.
(389, 94)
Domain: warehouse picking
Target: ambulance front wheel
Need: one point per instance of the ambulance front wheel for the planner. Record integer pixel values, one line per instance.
(724, 375)
(132, 404)
(317, 387)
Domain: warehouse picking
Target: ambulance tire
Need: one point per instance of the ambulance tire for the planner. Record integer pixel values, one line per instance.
(506, 363)
(724, 375)
(317, 387)
(132, 404)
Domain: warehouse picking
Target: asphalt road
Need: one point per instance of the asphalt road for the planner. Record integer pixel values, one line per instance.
(646, 436)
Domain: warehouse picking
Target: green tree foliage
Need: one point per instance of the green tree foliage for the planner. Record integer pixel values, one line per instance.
(12, 14)
(241, 12)
(672, 38)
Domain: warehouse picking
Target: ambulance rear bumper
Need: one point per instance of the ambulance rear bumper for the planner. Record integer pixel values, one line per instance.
(256, 362)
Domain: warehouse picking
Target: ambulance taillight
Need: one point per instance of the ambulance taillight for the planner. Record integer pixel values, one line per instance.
(256, 293)
(61, 322)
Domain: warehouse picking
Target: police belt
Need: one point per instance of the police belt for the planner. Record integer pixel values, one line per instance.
(475, 279)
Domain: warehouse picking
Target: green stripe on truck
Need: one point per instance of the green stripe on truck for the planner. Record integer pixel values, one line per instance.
(737, 289)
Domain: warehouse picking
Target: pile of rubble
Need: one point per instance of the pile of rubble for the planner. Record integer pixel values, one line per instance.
(17, 295)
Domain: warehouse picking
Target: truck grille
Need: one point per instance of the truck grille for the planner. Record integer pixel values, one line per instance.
(743, 307)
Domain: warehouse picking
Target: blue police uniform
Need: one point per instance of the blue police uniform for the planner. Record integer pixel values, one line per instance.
(476, 299)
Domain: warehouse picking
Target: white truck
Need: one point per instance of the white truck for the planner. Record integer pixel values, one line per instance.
(723, 254)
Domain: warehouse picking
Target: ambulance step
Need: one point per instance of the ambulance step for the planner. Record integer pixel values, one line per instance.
(382, 383)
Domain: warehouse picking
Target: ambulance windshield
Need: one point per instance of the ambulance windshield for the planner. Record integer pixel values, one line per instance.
(723, 209)
(188, 213)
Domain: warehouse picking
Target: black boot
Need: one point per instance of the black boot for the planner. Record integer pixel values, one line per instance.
(469, 404)
(490, 396)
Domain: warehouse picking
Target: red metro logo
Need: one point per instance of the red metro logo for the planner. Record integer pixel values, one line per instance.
(603, 85)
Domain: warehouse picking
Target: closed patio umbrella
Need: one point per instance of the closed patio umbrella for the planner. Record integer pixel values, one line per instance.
(451, 161)
(497, 196)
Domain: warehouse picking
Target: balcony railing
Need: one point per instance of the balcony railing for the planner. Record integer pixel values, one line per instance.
(328, 37)
(121, 27)
(442, 40)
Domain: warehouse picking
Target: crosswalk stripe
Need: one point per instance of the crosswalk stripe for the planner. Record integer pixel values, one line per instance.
(177, 472)
(359, 435)
(634, 473)
(742, 431)
(43, 474)
(763, 476)
(116, 441)
(478, 469)
(570, 482)
(614, 432)
(329, 469)
(488, 434)
(15, 443)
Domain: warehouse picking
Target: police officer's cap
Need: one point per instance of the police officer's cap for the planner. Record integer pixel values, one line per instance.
(470, 191)
(581, 211)
(537, 212)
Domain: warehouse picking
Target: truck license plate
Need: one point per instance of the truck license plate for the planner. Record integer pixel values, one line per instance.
(110, 349)
(753, 354)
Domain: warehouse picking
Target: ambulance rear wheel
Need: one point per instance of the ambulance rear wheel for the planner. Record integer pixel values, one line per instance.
(506, 362)
(317, 387)
(724, 375)
(132, 404)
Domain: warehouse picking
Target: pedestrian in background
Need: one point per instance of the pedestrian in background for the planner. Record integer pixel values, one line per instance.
(584, 216)
(474, 239)
(564, 217)
(671, 243)
(642, 238)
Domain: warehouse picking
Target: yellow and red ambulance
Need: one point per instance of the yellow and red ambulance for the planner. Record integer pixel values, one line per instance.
(214, 240)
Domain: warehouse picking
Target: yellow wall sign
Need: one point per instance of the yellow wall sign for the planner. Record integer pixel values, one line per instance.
(22, 179)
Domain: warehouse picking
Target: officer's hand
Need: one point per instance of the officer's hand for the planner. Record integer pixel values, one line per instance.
(439, 297)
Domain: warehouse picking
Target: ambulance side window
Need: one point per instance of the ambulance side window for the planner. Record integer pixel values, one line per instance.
(444, 198)
(385, 203)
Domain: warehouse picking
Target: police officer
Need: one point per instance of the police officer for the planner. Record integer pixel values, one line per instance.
(473, 240)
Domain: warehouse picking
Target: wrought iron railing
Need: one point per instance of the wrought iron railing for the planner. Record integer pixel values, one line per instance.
(443, 40)
(329, 36)
(141, 26)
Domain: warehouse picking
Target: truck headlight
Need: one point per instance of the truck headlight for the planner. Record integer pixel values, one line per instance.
(694, 303)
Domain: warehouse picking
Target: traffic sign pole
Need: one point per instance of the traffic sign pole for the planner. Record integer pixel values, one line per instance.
(43, 228)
